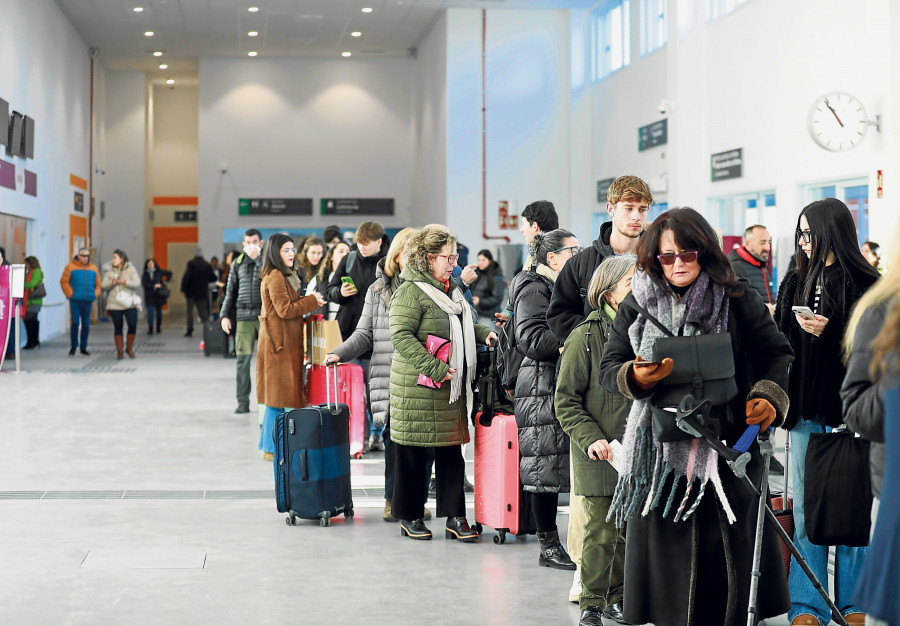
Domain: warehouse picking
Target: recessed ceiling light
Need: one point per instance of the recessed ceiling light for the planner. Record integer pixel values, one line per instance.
(170, 81)
(158, 53)
(163, 66)
(252, 53)
(149, 33)
(356, 33)
(367, 9)
(252, 33)
(138, 9)
(253, 9)
(345, 54)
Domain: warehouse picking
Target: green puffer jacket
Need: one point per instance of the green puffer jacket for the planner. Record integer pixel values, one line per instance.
(421, 416)
(585, 409)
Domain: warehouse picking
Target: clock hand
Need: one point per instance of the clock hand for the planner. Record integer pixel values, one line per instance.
(834, 113)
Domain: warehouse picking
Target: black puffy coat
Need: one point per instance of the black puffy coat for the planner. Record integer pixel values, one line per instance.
(745, 265)
(151, 278)
(543, 444)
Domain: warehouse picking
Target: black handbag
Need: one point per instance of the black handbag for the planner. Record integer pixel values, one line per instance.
(37, 292)
(162, 292)
(837, 490)
(703, 367)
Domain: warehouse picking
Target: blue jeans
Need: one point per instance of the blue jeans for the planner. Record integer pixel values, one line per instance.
(266, 430)
(81, 314)
(848, 564)
(154, 312)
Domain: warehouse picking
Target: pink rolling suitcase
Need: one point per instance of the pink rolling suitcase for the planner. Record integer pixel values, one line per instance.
(351, 387)
(498, 493)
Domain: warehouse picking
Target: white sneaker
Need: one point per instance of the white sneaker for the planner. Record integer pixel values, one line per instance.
(575, 589)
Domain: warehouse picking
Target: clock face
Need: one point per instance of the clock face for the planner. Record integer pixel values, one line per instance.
(837, 121)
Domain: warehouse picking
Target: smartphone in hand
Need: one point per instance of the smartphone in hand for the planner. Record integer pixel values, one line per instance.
(645, 363)
(804, 311)
(347, 280)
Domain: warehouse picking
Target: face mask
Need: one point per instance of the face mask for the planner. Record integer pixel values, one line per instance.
(251, 248)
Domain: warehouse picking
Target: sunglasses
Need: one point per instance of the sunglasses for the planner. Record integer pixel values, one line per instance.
(804, 235)
(688, 256)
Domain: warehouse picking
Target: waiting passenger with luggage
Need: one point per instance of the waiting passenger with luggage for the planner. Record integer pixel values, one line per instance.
(691, 521)
(543, 445)
(594, 419)
(242, 295)
(431, 398)
(279, 363)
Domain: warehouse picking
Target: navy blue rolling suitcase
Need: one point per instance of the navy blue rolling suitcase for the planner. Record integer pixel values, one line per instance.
(312, 463)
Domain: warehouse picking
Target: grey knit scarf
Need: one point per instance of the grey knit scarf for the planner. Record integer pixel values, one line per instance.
(648, 462)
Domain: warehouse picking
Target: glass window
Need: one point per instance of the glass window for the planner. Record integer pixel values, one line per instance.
(855, 194)
(611, 37)
(654, 29)
(718, 8)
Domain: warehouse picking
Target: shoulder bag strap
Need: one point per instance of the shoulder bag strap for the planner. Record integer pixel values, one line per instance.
(646, 314)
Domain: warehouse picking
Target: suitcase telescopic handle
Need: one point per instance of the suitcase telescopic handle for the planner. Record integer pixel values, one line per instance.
(334, 410)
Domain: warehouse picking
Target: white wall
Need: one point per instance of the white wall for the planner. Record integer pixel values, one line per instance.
(429, 184)
(45, 74)
(289, 128)
(125, 159)
(527, 116)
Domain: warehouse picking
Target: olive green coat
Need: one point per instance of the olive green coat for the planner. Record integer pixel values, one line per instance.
(421, 416)
(585, 409)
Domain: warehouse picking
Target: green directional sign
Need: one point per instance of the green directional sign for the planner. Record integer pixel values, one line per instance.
(275, 206)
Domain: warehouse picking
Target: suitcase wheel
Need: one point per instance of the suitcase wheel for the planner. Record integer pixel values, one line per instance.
(289, 520)
(358, 455)
(325, 519)
(500, 537)
(478, 528)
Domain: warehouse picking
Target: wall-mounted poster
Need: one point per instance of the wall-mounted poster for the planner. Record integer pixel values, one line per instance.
(79, 202)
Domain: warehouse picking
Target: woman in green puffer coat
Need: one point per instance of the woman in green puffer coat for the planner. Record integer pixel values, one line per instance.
(594, 418)
(431, 398)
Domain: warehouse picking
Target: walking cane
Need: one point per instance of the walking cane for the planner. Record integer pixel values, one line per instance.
(686, 419)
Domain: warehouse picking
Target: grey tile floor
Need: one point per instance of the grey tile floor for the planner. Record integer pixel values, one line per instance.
(130, 493)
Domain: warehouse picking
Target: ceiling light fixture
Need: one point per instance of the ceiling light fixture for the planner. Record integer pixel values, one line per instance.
(253, 9)
(345, 54)
(163, 66)
(148, 33)
(170, 81)
(252, 33)
(138, 9)
(158, 53)
(356, 33)
(252, 53)
(367, 9)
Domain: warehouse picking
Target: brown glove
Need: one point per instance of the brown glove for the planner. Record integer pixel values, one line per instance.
(646, 376)
(760, 411)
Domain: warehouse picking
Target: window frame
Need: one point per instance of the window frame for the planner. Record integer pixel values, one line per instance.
(602, 57)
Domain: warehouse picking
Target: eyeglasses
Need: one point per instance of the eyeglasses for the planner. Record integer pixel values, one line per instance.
(575, 250)
(451, 258)
(804, 235)
(85, 256)
(688, 256)
(289, 250)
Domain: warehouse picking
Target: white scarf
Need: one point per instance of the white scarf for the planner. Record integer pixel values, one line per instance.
(461, 334)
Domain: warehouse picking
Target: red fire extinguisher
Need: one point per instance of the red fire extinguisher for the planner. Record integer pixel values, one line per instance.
(503, 213)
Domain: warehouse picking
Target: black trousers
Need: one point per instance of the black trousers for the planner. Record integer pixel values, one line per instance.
(129, 316)
(202, 305)
(411, 481)
(543, 509)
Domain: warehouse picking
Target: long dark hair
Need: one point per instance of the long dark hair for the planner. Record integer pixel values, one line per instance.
(493, 267)
(832, 229)
(119, 253)
(272, 256)
(691, 232)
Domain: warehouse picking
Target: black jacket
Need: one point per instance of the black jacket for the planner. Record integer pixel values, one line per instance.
(543, 444)
(864, 400)
(363, 274)
(243, 299)
(489, 291)
(671, 577)
(745, 265)
(569, 306)
(818, 370)
(197, 276)
(148, 280)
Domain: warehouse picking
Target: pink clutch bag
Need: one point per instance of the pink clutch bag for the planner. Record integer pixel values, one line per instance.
(440, 348)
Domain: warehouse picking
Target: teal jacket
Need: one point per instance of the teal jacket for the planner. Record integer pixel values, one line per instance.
(421, 416)
(585, 409)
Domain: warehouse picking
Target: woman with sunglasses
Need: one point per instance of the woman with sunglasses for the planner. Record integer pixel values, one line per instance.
(831, 276)
(691, 522)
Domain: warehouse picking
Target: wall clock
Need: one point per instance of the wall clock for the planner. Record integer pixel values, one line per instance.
(838, 121)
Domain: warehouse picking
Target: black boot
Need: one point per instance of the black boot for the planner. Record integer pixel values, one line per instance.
(591, 616)
(415, 529)
(29, 334)
(458, 528)
(552, 553)
(614, 612)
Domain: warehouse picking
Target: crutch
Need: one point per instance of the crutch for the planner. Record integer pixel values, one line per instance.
(687, 420)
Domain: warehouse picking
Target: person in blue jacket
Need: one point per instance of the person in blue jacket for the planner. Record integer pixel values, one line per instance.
(81, 284)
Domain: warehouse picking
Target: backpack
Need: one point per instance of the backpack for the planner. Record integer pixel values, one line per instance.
(509, 357)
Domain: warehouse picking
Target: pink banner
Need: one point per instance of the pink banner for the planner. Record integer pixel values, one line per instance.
(6, 310)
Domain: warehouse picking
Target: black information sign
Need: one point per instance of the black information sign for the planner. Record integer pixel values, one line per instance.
(725, 165)
(275, 206)
(79, 202)
(652, 135)
(185, 216)
(602, 188)
(357, 206)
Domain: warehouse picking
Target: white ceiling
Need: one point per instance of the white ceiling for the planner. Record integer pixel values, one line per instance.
(188, 29)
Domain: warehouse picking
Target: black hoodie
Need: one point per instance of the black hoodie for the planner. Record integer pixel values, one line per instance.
(363, 274)
(568, 305)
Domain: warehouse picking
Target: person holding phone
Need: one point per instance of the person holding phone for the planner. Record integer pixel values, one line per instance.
(814, 305)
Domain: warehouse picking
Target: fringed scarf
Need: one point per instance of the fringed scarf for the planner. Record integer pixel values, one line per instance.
(648, 462)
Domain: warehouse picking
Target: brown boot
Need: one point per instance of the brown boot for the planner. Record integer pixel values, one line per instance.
(118, 339)
(128, 345)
